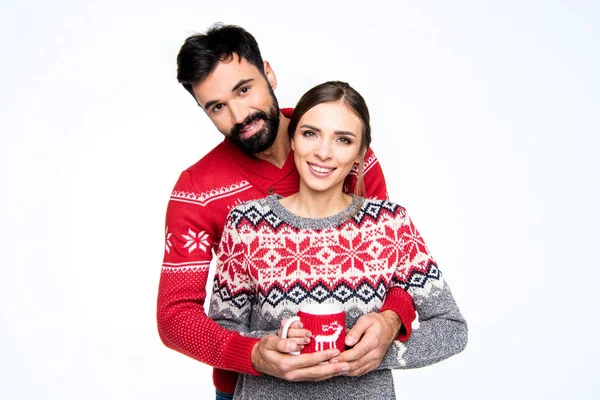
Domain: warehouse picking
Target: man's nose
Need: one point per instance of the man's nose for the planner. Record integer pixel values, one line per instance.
(238, 112)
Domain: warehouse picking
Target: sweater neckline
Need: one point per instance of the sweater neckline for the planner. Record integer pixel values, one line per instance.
(312, 223)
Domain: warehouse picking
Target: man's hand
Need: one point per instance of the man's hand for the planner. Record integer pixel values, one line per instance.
(269, 357)
(372, 336)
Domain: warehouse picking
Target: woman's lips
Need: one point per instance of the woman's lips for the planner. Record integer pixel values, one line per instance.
(320, 170)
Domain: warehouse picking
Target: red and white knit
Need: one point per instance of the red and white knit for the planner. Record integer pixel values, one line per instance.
(270, 262)
(196, 213)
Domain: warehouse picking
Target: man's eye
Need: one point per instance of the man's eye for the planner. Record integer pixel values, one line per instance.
(217, 107)
(244, 90)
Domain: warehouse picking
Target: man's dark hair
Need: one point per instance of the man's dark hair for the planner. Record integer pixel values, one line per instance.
(201, 53)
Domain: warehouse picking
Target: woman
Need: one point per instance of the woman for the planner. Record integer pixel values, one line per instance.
(323, 246)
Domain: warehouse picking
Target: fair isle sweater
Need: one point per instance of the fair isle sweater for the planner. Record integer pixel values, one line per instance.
(271, 261)
(196, 213)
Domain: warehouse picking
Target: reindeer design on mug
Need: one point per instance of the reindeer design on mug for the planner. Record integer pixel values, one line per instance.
(330, 339)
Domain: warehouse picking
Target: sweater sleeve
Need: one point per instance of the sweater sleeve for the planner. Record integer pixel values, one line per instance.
(399, 301)
(442, 331)
(374, 181)
(182, 323)
(375, 186)
(232, 300)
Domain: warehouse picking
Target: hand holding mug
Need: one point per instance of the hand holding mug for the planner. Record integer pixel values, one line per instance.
(326, 322)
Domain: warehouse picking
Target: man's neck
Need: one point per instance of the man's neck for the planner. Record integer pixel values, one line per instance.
(277, 154)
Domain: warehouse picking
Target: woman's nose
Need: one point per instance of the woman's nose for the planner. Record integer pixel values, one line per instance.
(323, 150)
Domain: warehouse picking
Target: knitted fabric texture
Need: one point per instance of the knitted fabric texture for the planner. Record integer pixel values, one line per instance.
(196, 213)
(329, 331)
(270, 262)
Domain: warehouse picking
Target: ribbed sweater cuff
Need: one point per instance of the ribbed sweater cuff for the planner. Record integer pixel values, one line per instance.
(225, 381)
(238, 354)
(399, 301)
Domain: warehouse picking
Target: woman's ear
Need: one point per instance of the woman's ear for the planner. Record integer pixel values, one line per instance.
(292, 144)
(271, 78)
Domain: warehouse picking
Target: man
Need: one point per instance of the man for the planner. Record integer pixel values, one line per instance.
(224, 72)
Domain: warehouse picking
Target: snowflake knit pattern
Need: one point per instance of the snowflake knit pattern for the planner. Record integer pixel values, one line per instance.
(196, 214)
(271, 261)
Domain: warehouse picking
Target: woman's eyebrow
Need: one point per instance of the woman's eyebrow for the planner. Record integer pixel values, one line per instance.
(314, 128)
(344, 133)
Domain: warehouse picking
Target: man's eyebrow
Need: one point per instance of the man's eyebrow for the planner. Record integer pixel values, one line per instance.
(241, 83)
(314, 128)
(236, 87)
(210, 104)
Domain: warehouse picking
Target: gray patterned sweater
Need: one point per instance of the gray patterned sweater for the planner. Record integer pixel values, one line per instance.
(270, 262)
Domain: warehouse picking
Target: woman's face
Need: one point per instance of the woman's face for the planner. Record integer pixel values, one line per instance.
(326, 144)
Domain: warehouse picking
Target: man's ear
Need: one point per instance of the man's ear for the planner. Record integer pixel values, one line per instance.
(271, 78)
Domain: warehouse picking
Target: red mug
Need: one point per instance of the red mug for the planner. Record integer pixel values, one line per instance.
(327, 322)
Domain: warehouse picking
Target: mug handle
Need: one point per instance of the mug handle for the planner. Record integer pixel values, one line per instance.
(286, 327)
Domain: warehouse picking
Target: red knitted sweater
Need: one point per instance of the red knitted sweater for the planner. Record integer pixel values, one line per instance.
(196, 213)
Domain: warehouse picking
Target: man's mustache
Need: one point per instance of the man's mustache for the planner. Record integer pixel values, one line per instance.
(238, 128)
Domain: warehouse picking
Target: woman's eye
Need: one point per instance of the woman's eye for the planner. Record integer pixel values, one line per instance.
(345, 140)
(308, 133)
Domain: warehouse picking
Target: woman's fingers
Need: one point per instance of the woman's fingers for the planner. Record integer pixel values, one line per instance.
(299, 333)
(295, 331)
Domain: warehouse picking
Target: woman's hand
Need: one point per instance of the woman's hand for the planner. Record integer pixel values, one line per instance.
(297, 333)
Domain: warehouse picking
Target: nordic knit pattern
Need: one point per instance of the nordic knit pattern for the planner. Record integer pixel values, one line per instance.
(271, 261)
(199, 204)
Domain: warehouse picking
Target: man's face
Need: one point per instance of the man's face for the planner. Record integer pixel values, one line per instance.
(240, 101)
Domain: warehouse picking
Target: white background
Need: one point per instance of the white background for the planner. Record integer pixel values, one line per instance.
(485, 119)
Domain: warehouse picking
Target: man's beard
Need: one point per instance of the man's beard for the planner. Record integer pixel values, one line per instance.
(262, 139)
